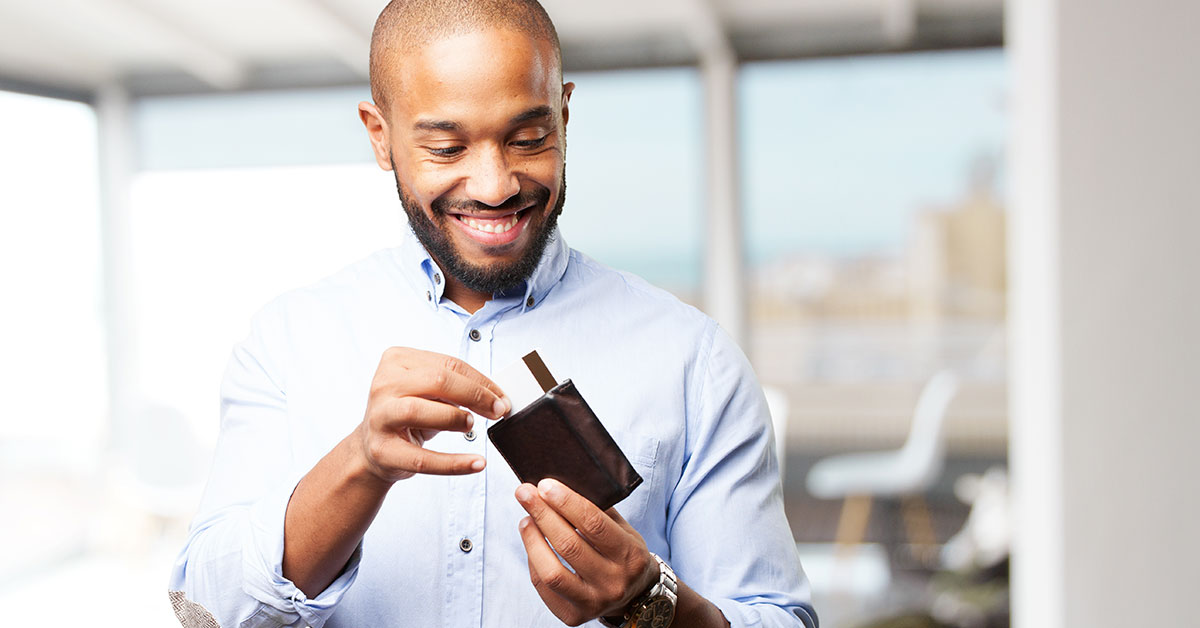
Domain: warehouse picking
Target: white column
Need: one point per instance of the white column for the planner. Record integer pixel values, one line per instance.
(113, 116)
(1035, 431)
(1105, 312)
(724, 265)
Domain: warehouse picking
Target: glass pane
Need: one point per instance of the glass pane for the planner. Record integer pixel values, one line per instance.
(211, 247)
(270, 129)
(634, 168)
(874, 199)
(52, 362)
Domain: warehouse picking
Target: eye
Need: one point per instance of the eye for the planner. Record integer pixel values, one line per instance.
(531, 144)
(447, 151)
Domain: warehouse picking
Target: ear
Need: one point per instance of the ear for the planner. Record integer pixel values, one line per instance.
(377, 132)
(568, 88)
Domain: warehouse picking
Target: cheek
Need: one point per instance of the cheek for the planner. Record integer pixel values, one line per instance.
(427, 184)
(545, 169)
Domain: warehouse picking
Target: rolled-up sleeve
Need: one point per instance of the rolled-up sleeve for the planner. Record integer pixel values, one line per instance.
(743, 560)
(232, 564)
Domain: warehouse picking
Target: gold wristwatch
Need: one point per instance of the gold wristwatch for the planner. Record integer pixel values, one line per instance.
(655, 609)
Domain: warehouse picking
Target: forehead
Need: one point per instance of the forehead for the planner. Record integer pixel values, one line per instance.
(476, 74)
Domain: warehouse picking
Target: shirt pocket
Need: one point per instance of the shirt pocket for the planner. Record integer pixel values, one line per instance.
(643, 453)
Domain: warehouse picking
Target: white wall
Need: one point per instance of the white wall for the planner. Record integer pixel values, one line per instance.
(1105, 312)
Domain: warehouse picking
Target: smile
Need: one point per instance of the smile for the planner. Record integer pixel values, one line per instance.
(503, 224)
(498, 231)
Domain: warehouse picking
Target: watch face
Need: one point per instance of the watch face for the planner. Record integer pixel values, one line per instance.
(657, 613)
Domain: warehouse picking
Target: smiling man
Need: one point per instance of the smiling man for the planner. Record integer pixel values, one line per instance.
(481, 145)
(321, 513)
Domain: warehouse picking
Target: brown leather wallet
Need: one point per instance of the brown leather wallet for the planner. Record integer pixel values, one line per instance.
(558, 436)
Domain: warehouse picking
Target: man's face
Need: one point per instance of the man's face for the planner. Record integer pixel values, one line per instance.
(476, 138)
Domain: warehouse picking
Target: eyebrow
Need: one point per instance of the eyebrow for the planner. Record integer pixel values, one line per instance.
(541, 112)
(536, 113)
(437, 125)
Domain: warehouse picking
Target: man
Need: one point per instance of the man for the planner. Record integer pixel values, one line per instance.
(406, 517)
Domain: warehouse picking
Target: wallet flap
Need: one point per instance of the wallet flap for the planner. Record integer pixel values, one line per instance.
(558, 436)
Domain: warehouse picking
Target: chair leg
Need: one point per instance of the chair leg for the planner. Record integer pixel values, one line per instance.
(918, 526)
(852, 525)
(851, 531)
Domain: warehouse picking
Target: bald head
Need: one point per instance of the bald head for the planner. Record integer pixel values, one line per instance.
(408, 25)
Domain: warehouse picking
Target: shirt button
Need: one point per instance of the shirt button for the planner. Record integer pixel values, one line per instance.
(475, 335)
(470, 435)
(428, 295)
(437, 278)
(466, 545)
(529, 302)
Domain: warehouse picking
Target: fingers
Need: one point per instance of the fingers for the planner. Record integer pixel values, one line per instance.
(414, 395)
(554, 582)
(601, 531)
(597, 583)
(418, 413)
(445, 378)
(438, 463)
(561, 534)
(620, 520)
(609, 558)
(396, 457)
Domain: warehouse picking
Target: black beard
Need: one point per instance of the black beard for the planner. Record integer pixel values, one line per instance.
(485, 279)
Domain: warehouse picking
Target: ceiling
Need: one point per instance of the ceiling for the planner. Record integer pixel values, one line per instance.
(71, 48)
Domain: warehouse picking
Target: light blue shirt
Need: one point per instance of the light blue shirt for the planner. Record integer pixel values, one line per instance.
(672, 388)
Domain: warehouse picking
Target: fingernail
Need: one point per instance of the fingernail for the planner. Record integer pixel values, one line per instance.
(525, 521)
(549, 488)
(470, 420)
(501, 406)
(478, 465)
(524, 493)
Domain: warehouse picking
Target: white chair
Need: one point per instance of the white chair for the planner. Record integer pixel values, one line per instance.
(777, 404)
(903, 473)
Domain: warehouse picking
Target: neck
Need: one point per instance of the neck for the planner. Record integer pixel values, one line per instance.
(465, 297)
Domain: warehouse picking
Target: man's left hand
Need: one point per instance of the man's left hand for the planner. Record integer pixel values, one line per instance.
(610, 561)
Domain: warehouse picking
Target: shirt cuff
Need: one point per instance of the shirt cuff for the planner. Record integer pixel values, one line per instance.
(741, 615)
(263, 565)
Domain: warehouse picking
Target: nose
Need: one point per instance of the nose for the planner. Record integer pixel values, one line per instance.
(491, 181)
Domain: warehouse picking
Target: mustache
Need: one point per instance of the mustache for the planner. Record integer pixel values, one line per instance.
(538, 197)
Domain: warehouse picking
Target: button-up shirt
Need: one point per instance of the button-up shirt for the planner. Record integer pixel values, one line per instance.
(672, 388)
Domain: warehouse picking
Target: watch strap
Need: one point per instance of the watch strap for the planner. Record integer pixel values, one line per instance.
(666, 586)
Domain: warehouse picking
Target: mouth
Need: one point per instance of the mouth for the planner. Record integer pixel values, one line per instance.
(493, 230)
(503, 224)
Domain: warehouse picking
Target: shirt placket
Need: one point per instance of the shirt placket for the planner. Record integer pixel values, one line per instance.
(465, 532)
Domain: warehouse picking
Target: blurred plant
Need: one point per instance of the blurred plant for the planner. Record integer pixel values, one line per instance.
(971, 590)
(915, 620)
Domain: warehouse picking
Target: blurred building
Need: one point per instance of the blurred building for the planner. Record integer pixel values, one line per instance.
(956, 260)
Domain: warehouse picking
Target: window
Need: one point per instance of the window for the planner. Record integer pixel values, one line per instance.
(875, 236)
(53, 422)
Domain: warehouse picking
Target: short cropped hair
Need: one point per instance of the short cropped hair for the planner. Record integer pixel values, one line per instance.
(406, 25)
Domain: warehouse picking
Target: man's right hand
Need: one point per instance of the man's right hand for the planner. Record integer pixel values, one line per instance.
(414, 395)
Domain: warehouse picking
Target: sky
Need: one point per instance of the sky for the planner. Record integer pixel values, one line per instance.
(838, 153)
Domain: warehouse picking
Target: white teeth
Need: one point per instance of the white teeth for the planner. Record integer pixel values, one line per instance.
(490, 226)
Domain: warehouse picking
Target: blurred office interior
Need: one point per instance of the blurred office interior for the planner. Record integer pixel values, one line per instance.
(952, 236)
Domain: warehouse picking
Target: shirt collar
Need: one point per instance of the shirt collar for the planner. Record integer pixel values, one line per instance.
(429, 281)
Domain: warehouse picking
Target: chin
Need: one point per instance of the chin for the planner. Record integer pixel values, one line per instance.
(477, 265)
